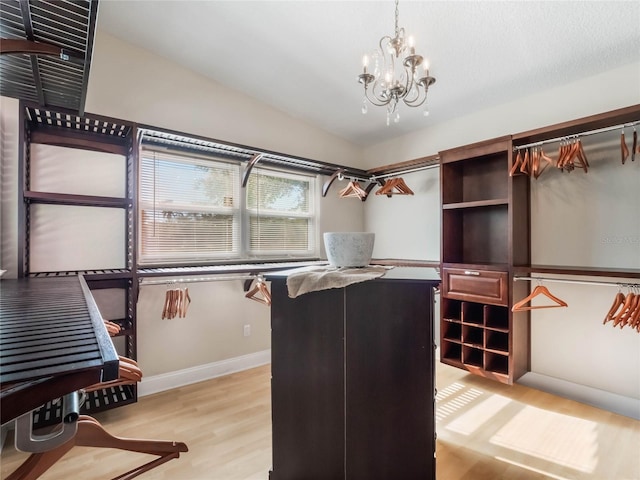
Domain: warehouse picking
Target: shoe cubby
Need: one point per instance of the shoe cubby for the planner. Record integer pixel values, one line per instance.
(477, 337)
(473, 336)
(451, 331)
(472, 313)
(451, 352)
(472, 356)
(496, 317)
(497, 341)
(497, 363)
(451, 309)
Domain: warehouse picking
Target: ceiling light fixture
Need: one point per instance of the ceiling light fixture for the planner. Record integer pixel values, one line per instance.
(396, 75)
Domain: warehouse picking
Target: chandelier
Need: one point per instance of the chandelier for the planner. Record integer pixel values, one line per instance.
(396, 75)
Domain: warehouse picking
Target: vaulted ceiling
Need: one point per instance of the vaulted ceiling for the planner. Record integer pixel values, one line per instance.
(303, 56)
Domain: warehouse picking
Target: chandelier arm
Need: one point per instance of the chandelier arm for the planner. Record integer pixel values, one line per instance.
(375, 101)
(413, 102)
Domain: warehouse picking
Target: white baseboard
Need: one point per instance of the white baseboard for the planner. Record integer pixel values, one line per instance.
(612, 402)
(180, 378)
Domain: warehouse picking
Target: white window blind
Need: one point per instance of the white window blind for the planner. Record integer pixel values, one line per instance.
(191, 211)
(281, 213)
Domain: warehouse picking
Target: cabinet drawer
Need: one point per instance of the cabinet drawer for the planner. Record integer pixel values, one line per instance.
(483, 286)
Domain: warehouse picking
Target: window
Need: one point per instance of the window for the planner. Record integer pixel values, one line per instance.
(193, 210)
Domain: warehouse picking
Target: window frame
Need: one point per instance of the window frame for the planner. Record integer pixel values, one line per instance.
(241, 220)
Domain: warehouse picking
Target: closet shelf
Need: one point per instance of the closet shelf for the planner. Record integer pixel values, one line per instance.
(251, 268)
(476, 203)
(89, 275)
(586, 271)
(575, 127)
(78, 200)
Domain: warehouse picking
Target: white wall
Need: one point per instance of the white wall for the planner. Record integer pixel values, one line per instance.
(407, 226)
(130, 83)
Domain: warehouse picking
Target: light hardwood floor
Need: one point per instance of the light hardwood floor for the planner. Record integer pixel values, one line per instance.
(485, 431)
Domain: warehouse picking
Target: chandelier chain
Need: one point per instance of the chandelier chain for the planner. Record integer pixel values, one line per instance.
(397, 15)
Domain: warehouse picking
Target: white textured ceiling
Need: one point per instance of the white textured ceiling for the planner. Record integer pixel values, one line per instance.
(303, 57)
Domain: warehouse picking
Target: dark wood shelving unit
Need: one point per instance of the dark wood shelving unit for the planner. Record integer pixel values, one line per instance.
(95, 133)
(477, 203)
(481, 225)
(486, 243)
(78, 200)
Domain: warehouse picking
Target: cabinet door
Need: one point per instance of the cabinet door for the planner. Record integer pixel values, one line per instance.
(389, 381)
(307, 385)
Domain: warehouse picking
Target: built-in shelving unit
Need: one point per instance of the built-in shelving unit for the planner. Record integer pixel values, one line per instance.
(89, 133)
(486, 242)
(480, 225)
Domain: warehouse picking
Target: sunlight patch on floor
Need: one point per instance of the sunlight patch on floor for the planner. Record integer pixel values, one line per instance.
(463, 397)
(551, 436)
(473, 419)
(531, 469)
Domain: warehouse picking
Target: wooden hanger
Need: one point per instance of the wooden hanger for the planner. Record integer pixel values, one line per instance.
(92, 434)
(353, 189)
(618, 301)
(128, 374)
(260, 293)
(547, 161)
(538, 290)
(176, 303)
(524, 166)
(112, 328)
(516, 164)
(395, 186)
(627, 308)
(624, 151)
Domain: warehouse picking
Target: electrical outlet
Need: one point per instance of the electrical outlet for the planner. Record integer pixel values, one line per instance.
(247, 330)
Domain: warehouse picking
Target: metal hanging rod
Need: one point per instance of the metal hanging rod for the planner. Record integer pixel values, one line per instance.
(373, 178)
(583, 134)
(209, 278)
(578, 282)
(402, 172)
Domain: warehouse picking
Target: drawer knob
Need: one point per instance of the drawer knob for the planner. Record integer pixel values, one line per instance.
(471, 272)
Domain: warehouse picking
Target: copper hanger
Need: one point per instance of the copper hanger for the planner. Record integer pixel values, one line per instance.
(353, 189)
(112, 328)
(260, 292)
(128, 374)
(624, 151)
(538, 290)
(627, 308)
(618, 301)
(524, 166)
(547, 161)
(516, 164)
(395, 186)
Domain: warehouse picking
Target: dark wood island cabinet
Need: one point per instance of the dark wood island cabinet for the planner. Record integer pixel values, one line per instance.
(353, 379)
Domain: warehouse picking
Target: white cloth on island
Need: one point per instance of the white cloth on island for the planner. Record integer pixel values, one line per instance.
(325, 278)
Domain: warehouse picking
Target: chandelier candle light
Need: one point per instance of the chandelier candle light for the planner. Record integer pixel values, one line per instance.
(396, 75)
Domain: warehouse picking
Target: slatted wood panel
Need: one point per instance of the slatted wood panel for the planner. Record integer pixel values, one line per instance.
(48, 79)
(50, 328)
